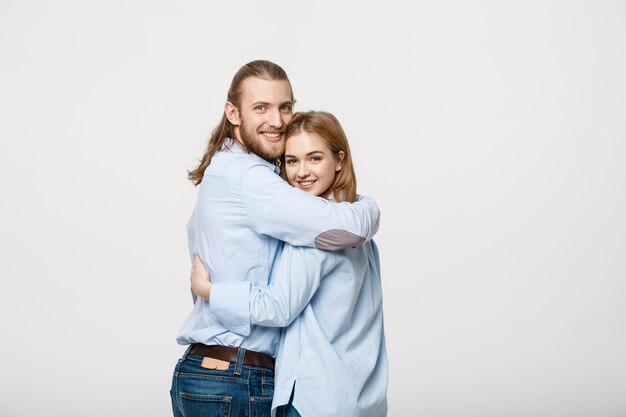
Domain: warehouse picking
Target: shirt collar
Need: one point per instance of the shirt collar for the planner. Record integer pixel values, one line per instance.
(235, 147)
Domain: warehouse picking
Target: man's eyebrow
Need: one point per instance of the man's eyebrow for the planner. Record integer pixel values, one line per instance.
(267, 103)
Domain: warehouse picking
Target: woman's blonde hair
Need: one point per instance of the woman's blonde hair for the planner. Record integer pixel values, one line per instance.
(327, 127)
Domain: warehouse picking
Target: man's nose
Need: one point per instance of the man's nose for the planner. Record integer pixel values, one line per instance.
(275, 118)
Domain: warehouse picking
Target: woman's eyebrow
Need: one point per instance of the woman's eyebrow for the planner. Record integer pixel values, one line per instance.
(308, 154)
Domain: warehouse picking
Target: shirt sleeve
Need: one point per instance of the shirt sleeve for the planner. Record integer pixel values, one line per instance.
(277, 209)
(229, 303)
(298, 275)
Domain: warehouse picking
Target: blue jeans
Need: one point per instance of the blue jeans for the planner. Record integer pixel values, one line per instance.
(239, 391)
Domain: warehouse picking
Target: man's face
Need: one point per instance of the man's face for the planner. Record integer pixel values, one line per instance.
(266, 109)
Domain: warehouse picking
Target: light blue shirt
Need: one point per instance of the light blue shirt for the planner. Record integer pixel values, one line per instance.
(243, 211)
(333, 351)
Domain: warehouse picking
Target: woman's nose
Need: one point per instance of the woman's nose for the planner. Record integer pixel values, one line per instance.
(303, 170)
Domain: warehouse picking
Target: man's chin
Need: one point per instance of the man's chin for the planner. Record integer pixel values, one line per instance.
(273, 150)
(270, 151)
(271, 155)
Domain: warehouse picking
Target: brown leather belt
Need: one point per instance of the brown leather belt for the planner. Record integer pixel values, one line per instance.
(229, 354)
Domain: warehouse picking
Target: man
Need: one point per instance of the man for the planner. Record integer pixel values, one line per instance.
(243, 212)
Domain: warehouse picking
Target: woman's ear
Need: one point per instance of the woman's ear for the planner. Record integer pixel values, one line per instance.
(340, 156)
(232, 114)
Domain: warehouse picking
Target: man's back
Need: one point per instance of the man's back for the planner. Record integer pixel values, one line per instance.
(221, 232)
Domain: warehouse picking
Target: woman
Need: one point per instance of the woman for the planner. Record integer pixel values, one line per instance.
(332, 359)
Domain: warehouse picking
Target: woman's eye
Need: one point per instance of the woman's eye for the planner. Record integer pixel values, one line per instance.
(316, 158)
(290, 161)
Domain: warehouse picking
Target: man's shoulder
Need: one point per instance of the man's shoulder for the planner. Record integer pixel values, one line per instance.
(235, 164)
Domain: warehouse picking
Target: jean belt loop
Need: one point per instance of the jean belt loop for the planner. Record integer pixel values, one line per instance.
(241, 353)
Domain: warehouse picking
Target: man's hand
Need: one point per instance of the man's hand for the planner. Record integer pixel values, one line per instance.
(200, 283)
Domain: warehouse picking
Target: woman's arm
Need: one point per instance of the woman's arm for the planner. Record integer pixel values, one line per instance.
(294, 281)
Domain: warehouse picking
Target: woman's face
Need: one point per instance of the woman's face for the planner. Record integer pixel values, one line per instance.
(309, 163)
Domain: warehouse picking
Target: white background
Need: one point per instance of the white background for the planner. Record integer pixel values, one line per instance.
(492, 134)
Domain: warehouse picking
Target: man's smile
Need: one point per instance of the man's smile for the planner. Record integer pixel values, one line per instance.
(272, 136)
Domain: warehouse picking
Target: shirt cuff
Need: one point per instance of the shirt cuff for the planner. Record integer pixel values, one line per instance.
(230, 303)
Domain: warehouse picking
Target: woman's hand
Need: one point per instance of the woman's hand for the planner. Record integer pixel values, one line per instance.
(200, 283)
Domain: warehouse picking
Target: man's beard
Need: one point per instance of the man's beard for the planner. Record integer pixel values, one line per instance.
(266, 150)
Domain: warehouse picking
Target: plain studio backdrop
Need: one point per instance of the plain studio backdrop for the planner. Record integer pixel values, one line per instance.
(492, 134)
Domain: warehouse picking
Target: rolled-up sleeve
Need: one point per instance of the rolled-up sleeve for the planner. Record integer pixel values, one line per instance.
(230, 303)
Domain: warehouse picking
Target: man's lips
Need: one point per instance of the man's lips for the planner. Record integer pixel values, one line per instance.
(272, 136)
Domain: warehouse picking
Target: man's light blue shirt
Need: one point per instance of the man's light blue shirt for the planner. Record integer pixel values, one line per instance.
(243, 211)
(333, 351)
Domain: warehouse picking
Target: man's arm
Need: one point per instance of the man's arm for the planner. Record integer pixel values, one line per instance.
(277, 209)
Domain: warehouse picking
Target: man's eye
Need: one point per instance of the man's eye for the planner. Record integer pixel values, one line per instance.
(286, 107)
(260, 107)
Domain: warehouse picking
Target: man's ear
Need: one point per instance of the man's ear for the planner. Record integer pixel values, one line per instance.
(232, 114)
